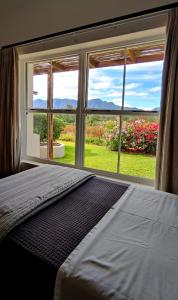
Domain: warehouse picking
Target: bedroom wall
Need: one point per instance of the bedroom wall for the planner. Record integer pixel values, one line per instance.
(22, 20)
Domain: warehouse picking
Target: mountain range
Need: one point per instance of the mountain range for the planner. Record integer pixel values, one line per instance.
(92, 104)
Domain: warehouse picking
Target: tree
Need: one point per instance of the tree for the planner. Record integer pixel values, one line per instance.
(41, 126)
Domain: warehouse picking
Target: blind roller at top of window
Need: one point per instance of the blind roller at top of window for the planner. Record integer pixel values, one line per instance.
(98, 35)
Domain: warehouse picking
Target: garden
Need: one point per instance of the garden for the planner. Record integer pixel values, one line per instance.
(103, 141)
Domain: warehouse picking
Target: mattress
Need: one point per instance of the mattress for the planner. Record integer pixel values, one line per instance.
(32, 253)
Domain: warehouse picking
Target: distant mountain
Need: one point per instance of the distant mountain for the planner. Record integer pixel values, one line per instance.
(100, 104)
(39, 103)
(156, 109)
(64, 103)
(72, 103)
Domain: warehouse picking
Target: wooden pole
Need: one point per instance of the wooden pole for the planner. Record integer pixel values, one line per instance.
(50, 115)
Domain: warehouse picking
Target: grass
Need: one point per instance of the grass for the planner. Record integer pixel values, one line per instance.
(99, 157)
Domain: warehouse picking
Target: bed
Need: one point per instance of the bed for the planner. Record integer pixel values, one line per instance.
(85, 238)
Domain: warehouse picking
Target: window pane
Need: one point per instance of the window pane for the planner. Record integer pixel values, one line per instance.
(37, 135)
(143, 77)
(101, 147)
(65, 82)
(138, 146)
(40, 85)
(64, 132)
(105, 80)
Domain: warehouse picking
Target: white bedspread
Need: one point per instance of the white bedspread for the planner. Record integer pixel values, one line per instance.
(24, 193)
(131, 254)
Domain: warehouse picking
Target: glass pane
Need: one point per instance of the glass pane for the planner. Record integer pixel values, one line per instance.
(143, 77)
(64, 132)
(40, 85)
(105, 80)
(37, 135)
(65, 82)
(101, 142)
(138, 146)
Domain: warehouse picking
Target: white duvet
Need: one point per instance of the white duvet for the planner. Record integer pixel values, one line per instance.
(131, 254)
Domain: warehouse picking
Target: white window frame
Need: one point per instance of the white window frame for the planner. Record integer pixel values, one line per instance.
(81, 110)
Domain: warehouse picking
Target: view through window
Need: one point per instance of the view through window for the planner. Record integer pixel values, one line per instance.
(120, 112)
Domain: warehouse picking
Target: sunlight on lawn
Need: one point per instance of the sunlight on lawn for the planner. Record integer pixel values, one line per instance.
(99, 157)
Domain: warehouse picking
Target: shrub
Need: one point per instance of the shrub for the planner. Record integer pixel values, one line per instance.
(96, 131)
(140, 136)
(112, 136)
(41, 126)
(95, 141)
(113, 141)
(67, 137)
(137, 136)
(69, 129)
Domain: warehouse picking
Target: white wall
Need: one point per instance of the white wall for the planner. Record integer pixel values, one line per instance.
(22, 19)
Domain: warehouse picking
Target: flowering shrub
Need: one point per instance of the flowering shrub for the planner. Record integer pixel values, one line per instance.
(112, 136)
(137, 136)
(113, 140)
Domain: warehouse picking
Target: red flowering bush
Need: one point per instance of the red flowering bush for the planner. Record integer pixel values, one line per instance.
(137, 136)
(140, 136)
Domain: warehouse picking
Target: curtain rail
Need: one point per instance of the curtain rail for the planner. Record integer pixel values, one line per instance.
(95, 25)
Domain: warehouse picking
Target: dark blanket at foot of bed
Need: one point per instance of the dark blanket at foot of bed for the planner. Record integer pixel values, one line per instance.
(32, 253)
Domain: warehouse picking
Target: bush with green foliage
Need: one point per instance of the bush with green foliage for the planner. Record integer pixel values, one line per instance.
(41, 126)
(67, 137)
(113, 141)
(95, 141)
(112, 135)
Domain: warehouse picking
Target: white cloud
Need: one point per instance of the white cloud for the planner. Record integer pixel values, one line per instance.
(100, 85)
(40, 87)
(99, 81)
(132, 85)
(119, 68)
(139, 67)
(92, 94)
(115, 94)
(143, 77)
(145, 67)
(117, 101)
(155, 89)
(149, 71)
(147, 108)
(66, 85)
(127, 104)
(136, 94)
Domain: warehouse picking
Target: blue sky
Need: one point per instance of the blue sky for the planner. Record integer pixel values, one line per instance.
(142, 86)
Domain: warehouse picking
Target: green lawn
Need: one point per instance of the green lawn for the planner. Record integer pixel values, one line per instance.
(99, 157)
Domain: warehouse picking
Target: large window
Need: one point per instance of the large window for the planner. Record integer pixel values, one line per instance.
(97, 109)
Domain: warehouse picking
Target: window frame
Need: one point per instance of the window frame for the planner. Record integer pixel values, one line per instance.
(82, 109)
